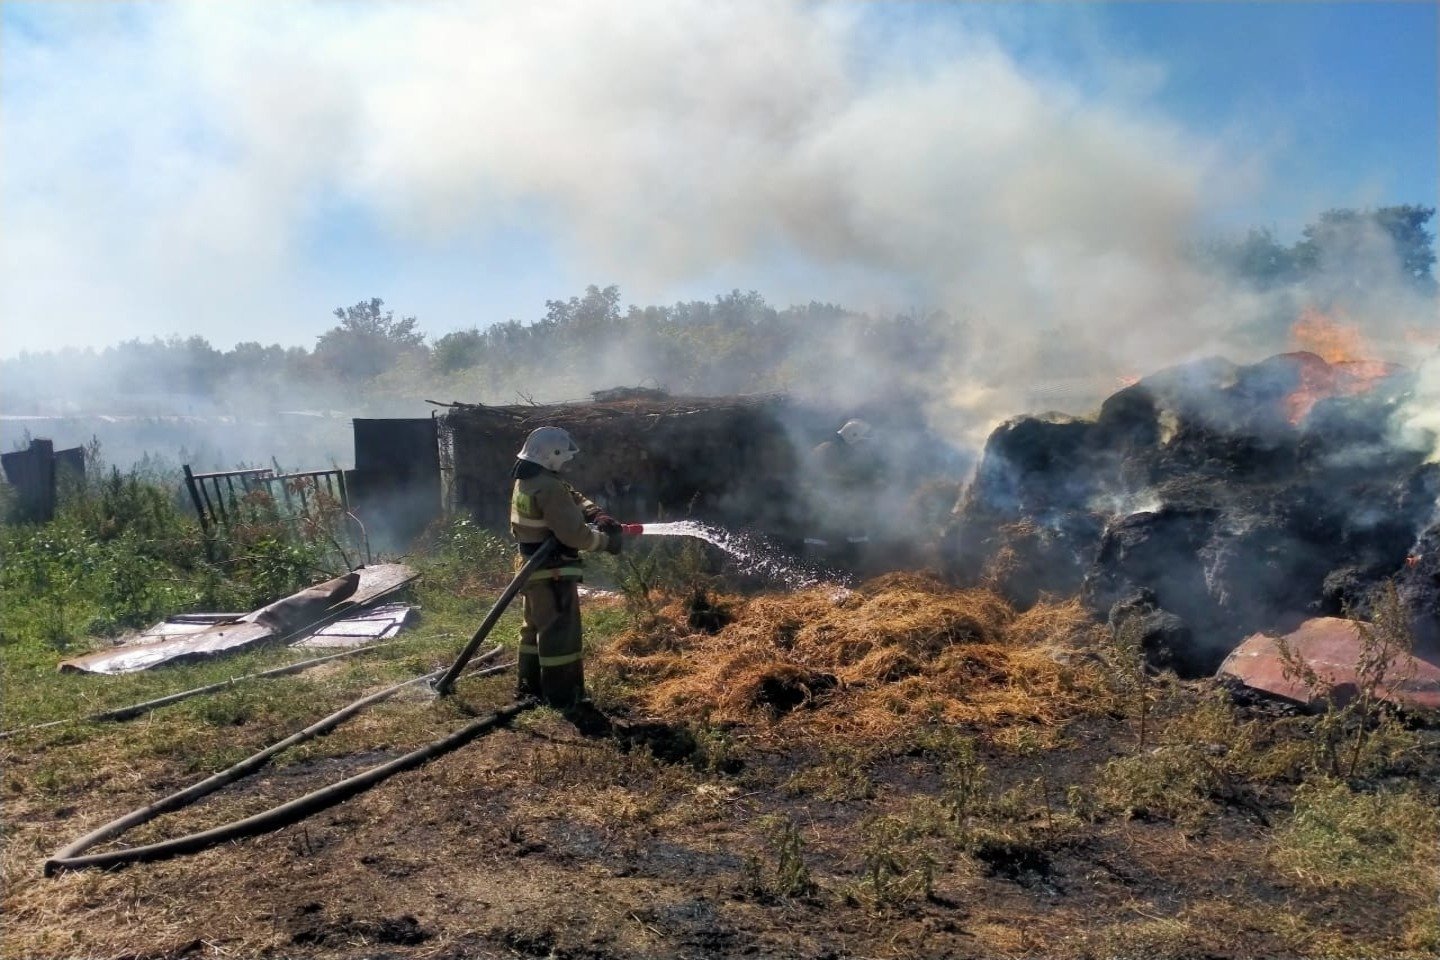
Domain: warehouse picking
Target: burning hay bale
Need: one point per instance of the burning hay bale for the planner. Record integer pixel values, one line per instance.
(1418, 586)
(1224, 499)
(899, 650)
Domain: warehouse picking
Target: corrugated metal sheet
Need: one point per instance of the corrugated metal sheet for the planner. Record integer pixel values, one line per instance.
(374, 582)
(1331, 647)
(379, 623)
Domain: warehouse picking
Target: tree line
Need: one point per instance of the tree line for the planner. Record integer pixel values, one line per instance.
(1343, 245)
(372, 359)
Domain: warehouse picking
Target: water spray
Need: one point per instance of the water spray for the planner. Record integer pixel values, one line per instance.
(759, 555)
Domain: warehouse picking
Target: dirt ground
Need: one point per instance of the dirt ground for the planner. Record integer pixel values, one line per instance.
(666, 837)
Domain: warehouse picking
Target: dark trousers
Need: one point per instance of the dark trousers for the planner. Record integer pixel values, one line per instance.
(551, 662)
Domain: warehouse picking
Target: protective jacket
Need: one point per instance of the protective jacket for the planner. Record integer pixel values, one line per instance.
(842, 484)
(551, 656)
(542, 504)
(844, 466)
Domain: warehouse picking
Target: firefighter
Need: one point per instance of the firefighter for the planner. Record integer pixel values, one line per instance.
(542, 505)
(844, 475)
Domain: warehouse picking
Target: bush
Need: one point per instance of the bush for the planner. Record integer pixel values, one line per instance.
(124, 552)
(467, 561)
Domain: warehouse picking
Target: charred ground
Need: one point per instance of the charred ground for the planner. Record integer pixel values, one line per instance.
(963, 779)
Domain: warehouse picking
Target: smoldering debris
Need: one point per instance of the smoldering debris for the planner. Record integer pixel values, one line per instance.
(1223, 499)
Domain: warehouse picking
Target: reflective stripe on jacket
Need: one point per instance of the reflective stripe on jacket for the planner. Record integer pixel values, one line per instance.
(542, 504)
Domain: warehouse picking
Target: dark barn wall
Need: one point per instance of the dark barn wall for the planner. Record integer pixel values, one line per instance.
(729, 460)
(395, 487)
(37, 472)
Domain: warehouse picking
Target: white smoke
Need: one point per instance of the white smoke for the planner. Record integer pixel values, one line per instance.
(663, 141)
(1418, 422)
(660, 138)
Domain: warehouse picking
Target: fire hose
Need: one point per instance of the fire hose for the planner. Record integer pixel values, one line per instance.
(445, 684)
(69, 858)
(72, 856)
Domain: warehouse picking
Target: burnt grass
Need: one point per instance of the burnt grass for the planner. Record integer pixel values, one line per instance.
(538, 841)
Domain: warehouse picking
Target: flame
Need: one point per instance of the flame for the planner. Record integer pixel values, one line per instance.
(1334, 360)
(1327, 338)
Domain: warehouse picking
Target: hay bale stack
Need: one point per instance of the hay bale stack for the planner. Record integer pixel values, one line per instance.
(645, 456)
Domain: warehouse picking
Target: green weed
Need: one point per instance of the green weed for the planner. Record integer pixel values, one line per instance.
(1342, 837)
(1122, 653)
(965, 778)
(842, 774)
(783, 872)
(653, 570)
(896, 868)
(1082, 803)
(1205, 753)
(1173, 781)
(715, 749)
(1358, 733)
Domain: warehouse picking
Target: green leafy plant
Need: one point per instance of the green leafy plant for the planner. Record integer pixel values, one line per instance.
(895, 867)
(1123, 655)
(964, 777)
(783, 873)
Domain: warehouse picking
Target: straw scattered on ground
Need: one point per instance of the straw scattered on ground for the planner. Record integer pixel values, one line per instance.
(898, 650)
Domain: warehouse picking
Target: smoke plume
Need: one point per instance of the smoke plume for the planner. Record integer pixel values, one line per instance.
(1419, 420)
(793, 148)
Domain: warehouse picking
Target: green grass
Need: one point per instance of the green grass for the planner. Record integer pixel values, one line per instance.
(1340, 836)
(122, 554)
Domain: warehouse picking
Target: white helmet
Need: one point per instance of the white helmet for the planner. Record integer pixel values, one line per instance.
(855, 431)
(551, 447)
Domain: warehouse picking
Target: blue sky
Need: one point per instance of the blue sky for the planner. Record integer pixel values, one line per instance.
(1349, 90)
(1344, 94)
(181, 169)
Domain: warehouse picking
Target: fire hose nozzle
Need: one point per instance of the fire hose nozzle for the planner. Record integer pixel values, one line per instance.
(632, 529)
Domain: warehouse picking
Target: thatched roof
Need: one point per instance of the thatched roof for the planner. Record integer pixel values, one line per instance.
(645, 454)
(618, 404)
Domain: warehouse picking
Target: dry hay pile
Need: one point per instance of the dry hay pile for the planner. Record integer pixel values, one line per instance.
(900, 650)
